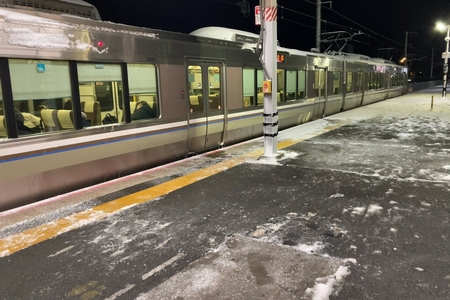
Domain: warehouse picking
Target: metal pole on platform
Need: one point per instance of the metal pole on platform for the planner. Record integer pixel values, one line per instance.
(444, 88)
(269, 61)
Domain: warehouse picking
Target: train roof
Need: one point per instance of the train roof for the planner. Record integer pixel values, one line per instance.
(24, 28)
(77, 8)
(249, 41)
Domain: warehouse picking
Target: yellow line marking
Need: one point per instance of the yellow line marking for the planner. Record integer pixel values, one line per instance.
(33, 236)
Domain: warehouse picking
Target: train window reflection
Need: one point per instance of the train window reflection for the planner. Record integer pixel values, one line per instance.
(39, 88)
(101, 92)
(143, 91)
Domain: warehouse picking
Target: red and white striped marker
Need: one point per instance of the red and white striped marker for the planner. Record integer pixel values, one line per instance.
(270, 14)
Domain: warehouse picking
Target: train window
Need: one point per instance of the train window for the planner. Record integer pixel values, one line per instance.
(319, 83)
(359, 82)
(280, 83)
(349, 82)
(336, 83)
(214, 87)
(398, 78)
(377, 83)
(394, 80)
(370, 81)
(195, 89)
(291, 85)
(259, 82)
(3, 132)
(301, 84)
(142, 83)
(39, 88)
(280, 88)
(248, 87)
(101, 92)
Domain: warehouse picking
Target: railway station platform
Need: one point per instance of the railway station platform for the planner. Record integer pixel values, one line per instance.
(354, 206)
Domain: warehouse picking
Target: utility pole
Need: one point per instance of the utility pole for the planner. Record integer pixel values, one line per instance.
(432, 61)
(269, 24)
(319, 22)
(406, 49)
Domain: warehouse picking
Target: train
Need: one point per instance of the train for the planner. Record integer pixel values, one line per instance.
(61, 70)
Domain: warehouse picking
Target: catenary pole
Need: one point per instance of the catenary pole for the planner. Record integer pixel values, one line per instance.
(432, 61)
(318, 24)
(406, 49)
(269, 61)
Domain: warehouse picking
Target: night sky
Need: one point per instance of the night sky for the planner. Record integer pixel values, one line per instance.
(383, 22)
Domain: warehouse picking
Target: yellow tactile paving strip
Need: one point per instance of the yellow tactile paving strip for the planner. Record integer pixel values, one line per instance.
(33, 236)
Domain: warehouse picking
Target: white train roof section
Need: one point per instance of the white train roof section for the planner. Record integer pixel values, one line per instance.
(226, 34)
(79, 2)
(77, 8)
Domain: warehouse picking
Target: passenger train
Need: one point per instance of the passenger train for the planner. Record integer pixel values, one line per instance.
(64, 74)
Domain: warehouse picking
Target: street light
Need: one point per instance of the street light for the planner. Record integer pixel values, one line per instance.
(442, 27)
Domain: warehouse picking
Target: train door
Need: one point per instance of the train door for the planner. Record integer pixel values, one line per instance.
(320, 92)
(206, 108)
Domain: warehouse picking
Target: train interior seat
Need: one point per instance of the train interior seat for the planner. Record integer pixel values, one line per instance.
(49, 120)
(196, 102)
(132, 107)
(54, 119)
(214, 102)
(92, 111)
(261, 98)
(150, 99)
(248, 101)
(2, 126)
(65, 119)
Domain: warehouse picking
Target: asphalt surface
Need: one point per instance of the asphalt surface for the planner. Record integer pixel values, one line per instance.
(358, 210)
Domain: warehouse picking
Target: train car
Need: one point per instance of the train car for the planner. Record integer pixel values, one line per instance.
(84, 101)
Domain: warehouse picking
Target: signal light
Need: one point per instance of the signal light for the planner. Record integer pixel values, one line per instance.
(100, 44)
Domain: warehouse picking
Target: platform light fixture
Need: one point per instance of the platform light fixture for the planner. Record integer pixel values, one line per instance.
(445, 27)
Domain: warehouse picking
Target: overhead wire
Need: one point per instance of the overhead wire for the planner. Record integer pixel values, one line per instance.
(366, 29)
(396, 43)
(348, 19)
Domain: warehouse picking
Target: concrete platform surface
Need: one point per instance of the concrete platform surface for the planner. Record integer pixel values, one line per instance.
(354, 206)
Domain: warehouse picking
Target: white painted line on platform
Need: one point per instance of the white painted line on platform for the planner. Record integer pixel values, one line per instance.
(162, 266)
(61, 251)
(121, 292)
